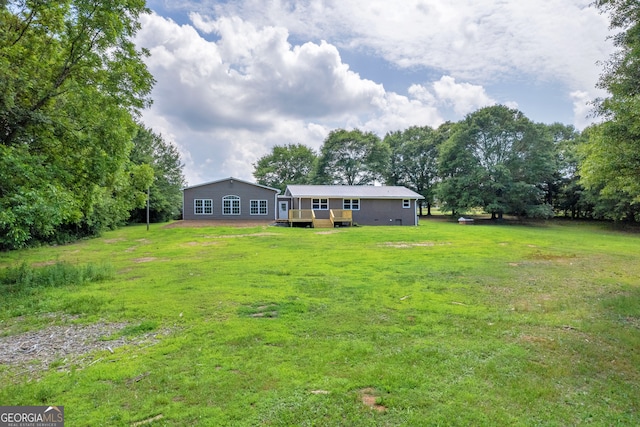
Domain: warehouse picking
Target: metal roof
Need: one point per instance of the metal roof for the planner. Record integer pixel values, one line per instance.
(352, 191)
(231, 179)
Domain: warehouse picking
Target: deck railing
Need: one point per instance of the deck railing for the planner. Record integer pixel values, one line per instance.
(301, 215)
(341, 215)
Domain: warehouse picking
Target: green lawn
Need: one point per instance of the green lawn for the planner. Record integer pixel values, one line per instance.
(440, 324)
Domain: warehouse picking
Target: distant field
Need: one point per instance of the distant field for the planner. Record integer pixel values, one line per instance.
(440, 324)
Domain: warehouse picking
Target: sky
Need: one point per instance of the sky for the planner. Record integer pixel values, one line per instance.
(235, 78)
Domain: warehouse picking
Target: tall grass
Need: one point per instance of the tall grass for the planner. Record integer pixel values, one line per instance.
(24, 277)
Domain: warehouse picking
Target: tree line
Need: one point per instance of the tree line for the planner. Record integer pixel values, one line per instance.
(74, 159)
(495, 159)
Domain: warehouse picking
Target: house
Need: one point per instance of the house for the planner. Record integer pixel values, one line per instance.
(229, 199)
(330, 205)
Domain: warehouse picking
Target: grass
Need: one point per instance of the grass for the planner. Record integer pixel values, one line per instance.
(439, 324)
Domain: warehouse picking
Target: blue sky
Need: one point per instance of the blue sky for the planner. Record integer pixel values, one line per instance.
(235, 78)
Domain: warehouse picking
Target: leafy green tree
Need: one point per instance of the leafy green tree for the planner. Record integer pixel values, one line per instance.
(612, 157)
(72, 82)
(498, 160)
(286, 164)
(563, 190)
(352, 158)
(414, 160)
(613, 194)
(165, 193)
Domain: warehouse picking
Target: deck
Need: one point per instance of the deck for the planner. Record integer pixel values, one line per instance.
(308, 216)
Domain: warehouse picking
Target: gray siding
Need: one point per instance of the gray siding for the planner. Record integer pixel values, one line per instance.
(230, 187)
(372, 211)
(385, 212)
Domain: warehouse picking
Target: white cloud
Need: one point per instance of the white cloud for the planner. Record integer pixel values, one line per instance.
(480, 40)
(463, 97)
(484, 42)
(233, 83)
(227, 102)
(582, 109)
(397, 112)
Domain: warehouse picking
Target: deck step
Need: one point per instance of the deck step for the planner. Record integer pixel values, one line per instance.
(322, 223)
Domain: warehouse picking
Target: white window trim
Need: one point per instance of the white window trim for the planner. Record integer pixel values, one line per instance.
(230, 200)
(320, 204)
(204, 210)
(406, 203)
(349, 202)
(258, 207)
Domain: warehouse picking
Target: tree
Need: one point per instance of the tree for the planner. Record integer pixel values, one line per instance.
(165, 193)
(352, 158)
(613, 196)
(499, 160)
(414, 160)
(286, 164)
(612, 161)
(72, 82)
(563, 190)
(55, 52)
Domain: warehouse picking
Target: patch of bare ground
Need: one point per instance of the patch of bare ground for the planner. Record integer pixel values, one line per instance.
(552, 258)
(552, 337)
(231, 236)
(368, 397)
(412, 244)
(144, 259)
(200, 243)
(149, 259)
(219, 223)
(109, 241)
(147, 421)
(328, 232)
(64, 345)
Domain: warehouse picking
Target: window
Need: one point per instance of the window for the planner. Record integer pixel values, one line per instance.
(203, 206)
(231, 205)
(258, 207)
(320, 204)
(351, 204)
(406, 203)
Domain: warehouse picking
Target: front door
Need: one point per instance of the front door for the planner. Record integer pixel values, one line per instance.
(283, 209)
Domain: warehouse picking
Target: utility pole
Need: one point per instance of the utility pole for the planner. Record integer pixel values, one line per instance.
(147, 208)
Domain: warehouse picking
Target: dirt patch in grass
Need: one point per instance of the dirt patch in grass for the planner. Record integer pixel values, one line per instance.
(368, 397)
(60, 346)
(269, 311)
(144, 259)
(231, 236)
(551, 258)
(120, 239)
(147, 421)
(412, 244)
(208, 243)
(219, 223)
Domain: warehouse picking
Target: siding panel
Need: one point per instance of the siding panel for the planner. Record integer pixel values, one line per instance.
(229, 187)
